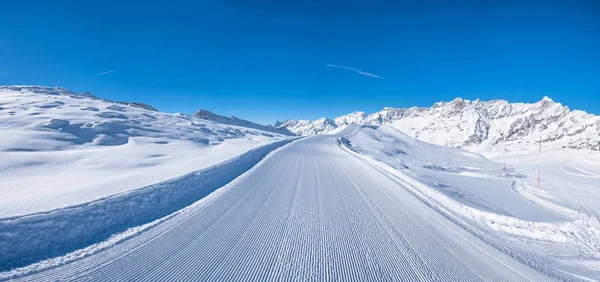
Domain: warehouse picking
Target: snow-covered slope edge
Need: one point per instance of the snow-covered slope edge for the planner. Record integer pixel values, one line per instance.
(558, 241)
(492, 128)
(59, 148)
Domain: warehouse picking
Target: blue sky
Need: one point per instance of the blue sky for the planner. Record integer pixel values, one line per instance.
(269, 60)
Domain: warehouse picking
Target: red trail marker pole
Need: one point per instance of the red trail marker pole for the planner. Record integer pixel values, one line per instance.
(538, 179)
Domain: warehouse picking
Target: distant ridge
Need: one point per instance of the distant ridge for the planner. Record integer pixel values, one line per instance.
(208, 115)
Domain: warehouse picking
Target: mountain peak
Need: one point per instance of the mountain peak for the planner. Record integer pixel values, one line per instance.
(547, 101)
(205, 114)
(325, 120)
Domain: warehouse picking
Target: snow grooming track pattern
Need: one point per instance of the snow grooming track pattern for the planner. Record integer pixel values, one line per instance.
(308, 212)
(31, 238)
(432, 254)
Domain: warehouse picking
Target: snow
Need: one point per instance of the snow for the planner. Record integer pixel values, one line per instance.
(568, 177)
(34, 237)
(58, 147)
(307, 127)
(491, 128)
(208, 115)
(100, 190)
(553, 229)
(308, 211)
(465, 177)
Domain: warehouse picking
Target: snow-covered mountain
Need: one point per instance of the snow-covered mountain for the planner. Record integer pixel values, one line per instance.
(494, 127)
(307, 127)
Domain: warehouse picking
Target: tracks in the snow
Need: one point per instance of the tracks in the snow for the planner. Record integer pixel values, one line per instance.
(310, 212)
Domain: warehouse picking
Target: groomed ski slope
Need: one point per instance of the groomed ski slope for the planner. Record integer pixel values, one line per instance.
(309, 211)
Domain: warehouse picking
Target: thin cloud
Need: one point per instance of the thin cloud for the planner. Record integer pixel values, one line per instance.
(234, 112)
(357, 71)
(106, 72)
(4, 73)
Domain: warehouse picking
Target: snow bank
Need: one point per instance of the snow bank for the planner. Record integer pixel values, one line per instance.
(31, 238)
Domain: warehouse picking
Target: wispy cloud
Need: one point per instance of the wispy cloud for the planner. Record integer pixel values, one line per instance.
(357, 71)
(234, 112)
(4, 73)
(105, 72)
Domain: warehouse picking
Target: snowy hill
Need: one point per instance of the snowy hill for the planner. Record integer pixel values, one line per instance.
(58, 146)
(493, 128)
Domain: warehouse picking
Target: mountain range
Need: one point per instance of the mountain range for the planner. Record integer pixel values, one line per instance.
(494, 127)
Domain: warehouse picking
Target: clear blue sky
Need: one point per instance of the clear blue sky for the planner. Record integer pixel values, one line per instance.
(267, 60)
